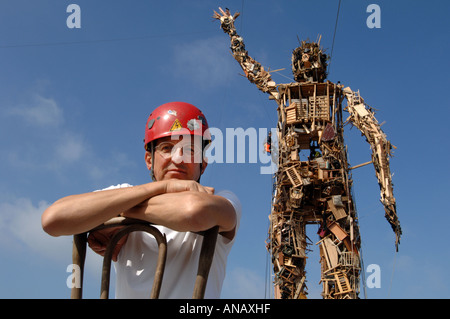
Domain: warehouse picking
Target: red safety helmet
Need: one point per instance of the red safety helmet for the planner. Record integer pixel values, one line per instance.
(176, 118)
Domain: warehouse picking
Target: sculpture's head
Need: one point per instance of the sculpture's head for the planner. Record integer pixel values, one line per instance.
(309, 63)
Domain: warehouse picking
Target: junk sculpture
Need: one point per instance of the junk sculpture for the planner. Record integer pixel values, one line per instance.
(317, 190)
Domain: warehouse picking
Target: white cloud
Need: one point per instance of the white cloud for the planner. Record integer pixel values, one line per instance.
(21, 233)
(70, 148)
(205, 62)
(41, 111)
(51, 146)
(20, 225)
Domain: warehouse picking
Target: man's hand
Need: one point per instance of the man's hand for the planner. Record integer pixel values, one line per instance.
(99, 240)
(176, 185)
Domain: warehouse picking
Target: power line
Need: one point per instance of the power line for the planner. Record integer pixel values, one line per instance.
(334, 35)
(45, 44)
(242, 16)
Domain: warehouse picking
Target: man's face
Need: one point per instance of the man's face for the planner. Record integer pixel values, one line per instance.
(177, 157)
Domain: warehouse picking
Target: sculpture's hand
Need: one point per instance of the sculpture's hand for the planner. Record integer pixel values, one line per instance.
(226, 19)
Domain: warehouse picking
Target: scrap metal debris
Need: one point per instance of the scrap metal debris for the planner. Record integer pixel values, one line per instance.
(313, 184)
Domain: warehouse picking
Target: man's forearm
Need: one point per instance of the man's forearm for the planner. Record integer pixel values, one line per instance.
(187, 211)
(79, 213)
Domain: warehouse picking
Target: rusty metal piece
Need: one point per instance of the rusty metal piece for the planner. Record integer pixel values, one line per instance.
(162, 253)
(78, 258)
(131, 225)
(205, 261)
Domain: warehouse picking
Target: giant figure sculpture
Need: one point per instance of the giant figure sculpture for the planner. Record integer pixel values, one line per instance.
(317, 190)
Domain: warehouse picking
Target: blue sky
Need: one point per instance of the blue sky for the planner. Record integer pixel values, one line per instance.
(74, 102)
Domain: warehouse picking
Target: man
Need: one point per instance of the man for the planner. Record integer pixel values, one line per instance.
(175, 138)
(269, 143)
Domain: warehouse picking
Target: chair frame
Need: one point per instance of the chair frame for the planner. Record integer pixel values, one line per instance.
(130, 225)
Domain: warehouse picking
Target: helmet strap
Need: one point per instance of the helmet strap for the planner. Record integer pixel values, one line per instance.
(152, 151)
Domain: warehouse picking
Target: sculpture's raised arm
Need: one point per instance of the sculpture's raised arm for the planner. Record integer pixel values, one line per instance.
(253, 70)
(362, 116)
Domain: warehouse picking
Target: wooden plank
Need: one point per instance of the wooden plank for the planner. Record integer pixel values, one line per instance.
(294, 176)
(338, 212)
(337, 231)
(331, 253)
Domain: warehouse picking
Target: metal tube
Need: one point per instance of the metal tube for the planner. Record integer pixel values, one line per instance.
(205, 261)
(162, 254)
(78, 258)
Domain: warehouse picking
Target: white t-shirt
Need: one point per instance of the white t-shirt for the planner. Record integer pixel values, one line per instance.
(136, 263)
